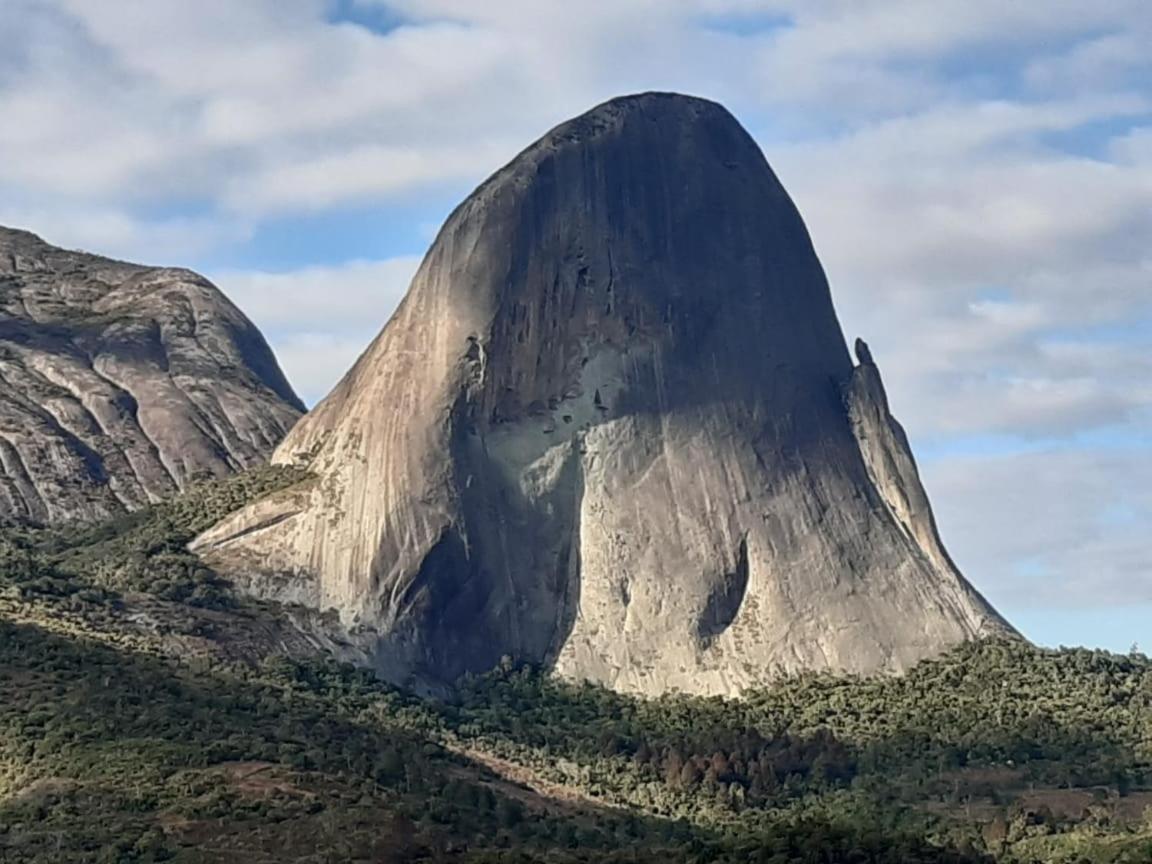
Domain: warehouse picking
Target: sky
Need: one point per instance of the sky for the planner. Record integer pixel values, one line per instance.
(976, 175)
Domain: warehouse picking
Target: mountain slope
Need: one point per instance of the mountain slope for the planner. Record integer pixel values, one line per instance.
(614, 427)
(120, 384)
(149, 714)
(152, 762)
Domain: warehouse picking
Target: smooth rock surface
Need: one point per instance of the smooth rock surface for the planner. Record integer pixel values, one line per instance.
(614, 427)
(120, 384)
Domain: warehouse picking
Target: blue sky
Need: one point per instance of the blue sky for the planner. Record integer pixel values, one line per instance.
(977, 177)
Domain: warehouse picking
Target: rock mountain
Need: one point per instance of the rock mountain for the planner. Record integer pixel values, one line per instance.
(614, 427)
(119, 384)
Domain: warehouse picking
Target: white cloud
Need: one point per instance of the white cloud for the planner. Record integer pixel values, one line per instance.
(357, 294)
(224, 98)
(1108, 60)
(1075, 524)
(1134, 148)
(360, 173)
(941, 210)
(319, 319)
(313, 361)
(115, 233)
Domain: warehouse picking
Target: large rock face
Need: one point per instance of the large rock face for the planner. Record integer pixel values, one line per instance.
(614, 427)
(119, 384)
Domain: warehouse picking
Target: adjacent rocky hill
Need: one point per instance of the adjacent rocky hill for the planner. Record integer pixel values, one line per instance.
(614, 428)
(120, 384)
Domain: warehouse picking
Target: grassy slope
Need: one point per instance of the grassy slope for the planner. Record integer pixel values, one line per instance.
(188, 739)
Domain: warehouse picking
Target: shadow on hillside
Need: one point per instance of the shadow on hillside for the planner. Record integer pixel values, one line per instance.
(105, 749)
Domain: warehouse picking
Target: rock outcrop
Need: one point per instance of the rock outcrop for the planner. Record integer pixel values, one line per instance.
(614, 428)
(120, 384)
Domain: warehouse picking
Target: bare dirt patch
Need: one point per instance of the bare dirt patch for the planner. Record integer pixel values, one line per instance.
(528, 787)
(44, 787)
(257, 779)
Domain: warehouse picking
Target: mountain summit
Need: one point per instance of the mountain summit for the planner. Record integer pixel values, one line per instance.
(614, 428)
(121, 384)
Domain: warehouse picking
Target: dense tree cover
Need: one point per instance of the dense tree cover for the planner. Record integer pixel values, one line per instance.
(109, 752)
(142, 551)
(1062, 718)
(112, 756)
(979, 738)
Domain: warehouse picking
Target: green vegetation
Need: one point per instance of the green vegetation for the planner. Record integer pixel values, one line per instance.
(142, 551)
(112, 756)
(120, 743)
(989, 747)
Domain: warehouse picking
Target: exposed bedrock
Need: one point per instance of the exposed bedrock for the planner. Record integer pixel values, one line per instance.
(614, 427)
(120, 384)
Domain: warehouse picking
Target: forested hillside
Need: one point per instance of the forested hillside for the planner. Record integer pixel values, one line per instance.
(149, 714)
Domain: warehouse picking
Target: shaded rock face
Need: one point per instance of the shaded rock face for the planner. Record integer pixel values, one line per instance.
(614, 427)
(119, 384)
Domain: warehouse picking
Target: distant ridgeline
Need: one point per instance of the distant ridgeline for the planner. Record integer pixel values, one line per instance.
(148, 713)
